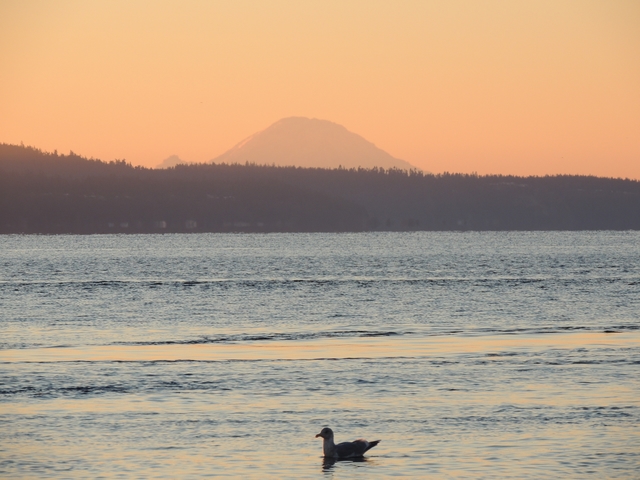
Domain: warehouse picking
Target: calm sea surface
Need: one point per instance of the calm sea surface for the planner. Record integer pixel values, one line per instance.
(470, 355)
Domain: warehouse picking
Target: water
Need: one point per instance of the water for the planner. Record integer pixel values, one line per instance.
(471, 355)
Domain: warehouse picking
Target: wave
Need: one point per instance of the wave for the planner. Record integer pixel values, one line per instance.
(82, 378)
(288, 282)
(240, 338)
(298, 336)
(266, 337)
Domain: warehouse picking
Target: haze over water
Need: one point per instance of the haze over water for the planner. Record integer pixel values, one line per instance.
(470, 355)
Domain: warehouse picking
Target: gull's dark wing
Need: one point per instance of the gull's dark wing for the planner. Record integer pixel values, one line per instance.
(354, 449)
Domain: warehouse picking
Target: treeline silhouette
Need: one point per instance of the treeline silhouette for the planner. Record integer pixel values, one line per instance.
(44, 192)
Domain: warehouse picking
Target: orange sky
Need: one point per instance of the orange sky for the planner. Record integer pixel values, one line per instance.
(513, 87)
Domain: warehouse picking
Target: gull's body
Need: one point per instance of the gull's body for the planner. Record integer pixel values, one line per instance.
(355, 449)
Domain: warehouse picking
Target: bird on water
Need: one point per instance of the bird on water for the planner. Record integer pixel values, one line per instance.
(355, 449)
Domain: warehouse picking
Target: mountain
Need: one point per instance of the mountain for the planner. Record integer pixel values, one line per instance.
(171, 161)
(310, 143)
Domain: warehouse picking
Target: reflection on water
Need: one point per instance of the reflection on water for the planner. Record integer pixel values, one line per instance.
(371, 348)
(186, 356)
(328, 464)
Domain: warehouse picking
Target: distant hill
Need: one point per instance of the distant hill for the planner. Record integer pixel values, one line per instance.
(170, 162)
(44, 192)
(30, 160)
(310, 143)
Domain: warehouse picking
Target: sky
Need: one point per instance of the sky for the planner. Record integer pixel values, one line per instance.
(493, 87)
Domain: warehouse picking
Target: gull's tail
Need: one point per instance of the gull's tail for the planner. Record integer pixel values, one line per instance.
(372, 444)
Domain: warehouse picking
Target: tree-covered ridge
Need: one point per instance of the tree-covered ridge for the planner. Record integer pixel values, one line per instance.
(28, 159)
(49, 193)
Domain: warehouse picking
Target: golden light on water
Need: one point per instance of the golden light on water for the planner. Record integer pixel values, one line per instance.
(376, 347)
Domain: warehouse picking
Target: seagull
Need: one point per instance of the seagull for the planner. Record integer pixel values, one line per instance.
(355, 449)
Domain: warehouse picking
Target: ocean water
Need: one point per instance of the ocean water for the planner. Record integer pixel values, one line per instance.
(470, 355)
